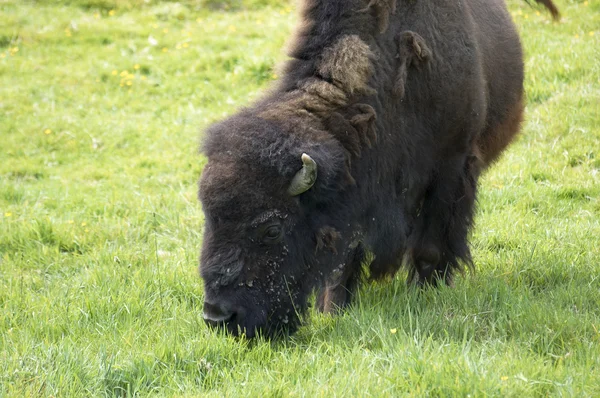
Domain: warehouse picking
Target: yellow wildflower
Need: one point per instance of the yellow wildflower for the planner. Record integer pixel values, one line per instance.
(165, 49)
(83, 224)
(577, 35)
(97, 15)
(198, 20)
(136, 66)
(231, 28)
(143, 77)
(178, 46)
(7, 214)
(165, 30)
(47, 131)
(115, 72)
(186, 45)
(591, 33)
(2, 55)
(124, 73)
(585, 3)
(504, 378)
(129, 83)
(111, 13)
(393, 331)
(70, 222)
(155, 25)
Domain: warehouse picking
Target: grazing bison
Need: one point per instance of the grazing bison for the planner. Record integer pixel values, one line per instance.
(367, 153)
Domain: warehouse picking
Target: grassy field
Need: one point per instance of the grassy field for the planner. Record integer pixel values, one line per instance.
(101, 105)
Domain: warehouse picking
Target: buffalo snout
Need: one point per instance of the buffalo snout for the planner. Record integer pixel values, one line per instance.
(217, 314)
(229, 316)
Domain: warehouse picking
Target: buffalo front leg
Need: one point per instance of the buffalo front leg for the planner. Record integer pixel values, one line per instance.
(338, 291)
(438, 245)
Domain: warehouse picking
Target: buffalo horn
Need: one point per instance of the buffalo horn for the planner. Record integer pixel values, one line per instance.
(305, 177)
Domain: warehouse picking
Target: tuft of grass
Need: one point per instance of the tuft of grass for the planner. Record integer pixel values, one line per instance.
(101, 102)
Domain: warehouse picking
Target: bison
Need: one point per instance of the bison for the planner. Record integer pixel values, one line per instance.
(364, 157)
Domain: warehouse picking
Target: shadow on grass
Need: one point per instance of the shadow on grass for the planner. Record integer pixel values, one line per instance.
(544, 313)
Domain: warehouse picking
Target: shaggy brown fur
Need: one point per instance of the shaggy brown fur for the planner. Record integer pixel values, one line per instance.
(344, 71)
(412, 51)
(354, 127)
(325, 104)
(496, 138)
(326, 239)
(383, 9)
(348, 63)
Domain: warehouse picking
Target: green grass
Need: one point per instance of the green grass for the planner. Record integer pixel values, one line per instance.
(101, 105)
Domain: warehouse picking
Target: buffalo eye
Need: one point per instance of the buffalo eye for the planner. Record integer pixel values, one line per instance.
(272, 234)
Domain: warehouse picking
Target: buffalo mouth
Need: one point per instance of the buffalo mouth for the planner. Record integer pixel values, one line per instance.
(216, 315)
(239, 321)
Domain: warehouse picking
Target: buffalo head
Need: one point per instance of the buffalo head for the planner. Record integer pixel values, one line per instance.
(273, 229)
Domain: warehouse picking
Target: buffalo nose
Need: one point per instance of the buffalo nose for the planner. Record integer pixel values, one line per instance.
(217, 314)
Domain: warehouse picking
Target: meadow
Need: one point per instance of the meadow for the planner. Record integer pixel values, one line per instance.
(102, 105)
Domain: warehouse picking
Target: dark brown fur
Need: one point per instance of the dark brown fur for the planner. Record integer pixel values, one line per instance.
(383, 10)
(401, 105)
(412, 51)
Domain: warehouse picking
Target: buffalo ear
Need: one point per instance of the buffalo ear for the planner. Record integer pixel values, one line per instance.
(305, 178)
